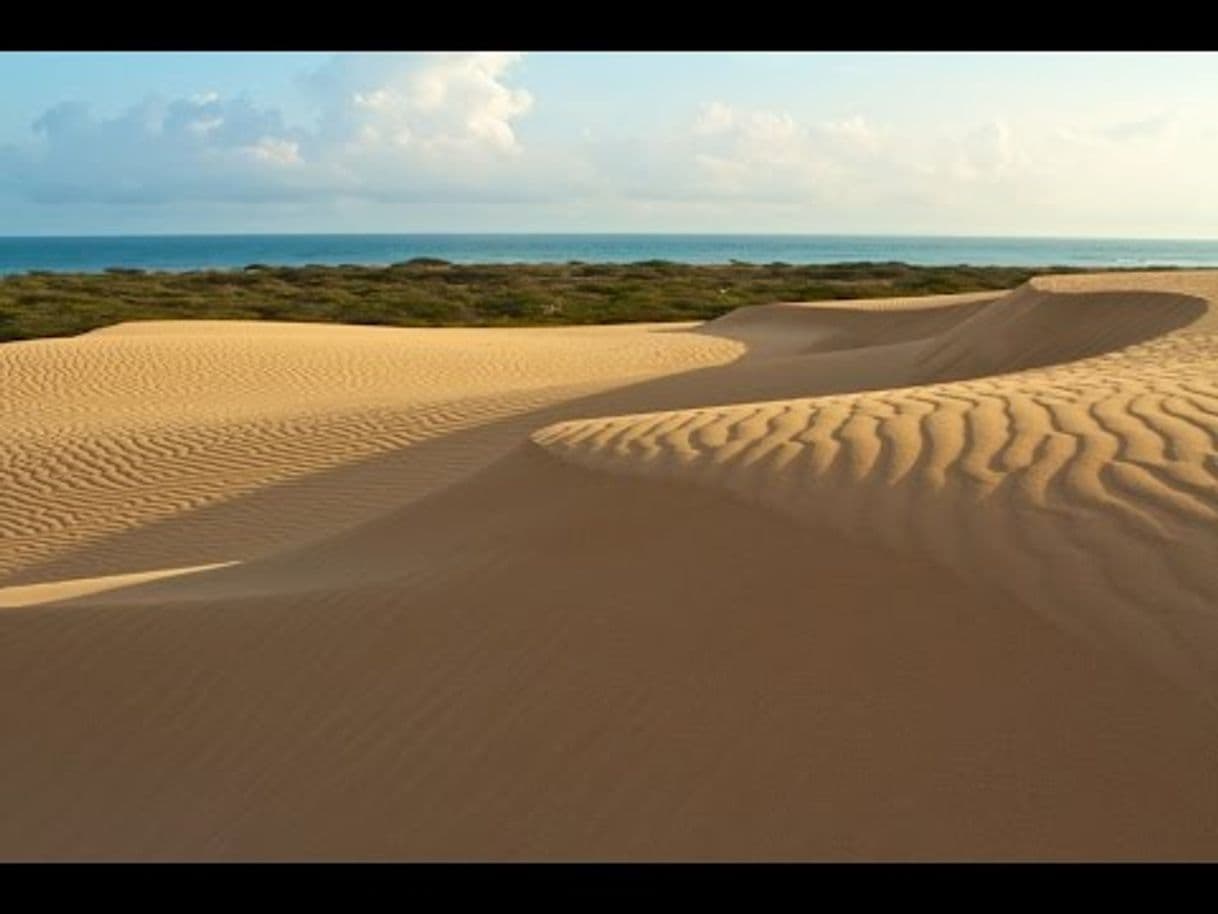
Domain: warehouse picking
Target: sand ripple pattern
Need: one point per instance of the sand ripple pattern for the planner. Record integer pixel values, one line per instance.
(117, 430)
(1088, 490)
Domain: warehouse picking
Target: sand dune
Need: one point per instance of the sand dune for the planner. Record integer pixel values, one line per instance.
(907, 579)
(122, 428)
(1051, 484)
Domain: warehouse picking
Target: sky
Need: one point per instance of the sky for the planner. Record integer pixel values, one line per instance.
(1049, 144)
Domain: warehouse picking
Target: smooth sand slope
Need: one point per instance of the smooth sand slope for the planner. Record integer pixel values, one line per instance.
(903, 579)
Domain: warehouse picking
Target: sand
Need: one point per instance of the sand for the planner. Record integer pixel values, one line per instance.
(904, 579)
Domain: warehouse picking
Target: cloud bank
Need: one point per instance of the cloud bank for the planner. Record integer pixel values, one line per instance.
(386, 127)
(453, 130)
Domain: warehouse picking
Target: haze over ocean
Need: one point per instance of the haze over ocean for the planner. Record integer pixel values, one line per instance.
(192, 252)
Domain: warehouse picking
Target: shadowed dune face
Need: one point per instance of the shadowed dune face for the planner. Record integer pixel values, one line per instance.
(910, 580)
(1033, 327)
(803, 329)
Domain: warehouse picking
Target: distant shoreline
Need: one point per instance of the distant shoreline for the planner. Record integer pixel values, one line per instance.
(120, 270)
(181, 253)
(431, 292)
(652, 263)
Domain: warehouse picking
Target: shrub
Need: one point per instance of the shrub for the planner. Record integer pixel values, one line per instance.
(433, 292)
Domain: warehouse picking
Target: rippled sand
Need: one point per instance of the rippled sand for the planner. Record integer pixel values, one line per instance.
(905, 579)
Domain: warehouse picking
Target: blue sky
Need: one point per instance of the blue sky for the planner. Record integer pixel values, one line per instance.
(982, 143)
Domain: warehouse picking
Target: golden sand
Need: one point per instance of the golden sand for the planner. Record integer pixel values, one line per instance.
(918, 579)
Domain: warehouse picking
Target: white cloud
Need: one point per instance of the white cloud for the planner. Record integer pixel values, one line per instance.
(982, 174)
(154, 150)
(855, 133)
(388, 126)
(449, 103)
(714, 118)
(773, 156)
(277, 152)
(987, 153)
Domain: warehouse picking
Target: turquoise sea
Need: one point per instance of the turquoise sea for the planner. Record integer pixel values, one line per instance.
(194, 252)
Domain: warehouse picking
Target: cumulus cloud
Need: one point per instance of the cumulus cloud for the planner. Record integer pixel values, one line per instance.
(773, 156)
(768, 155)
(436, 105)
(987, 153)
(396, 126)
(157, 148)
(721, 155)
(853, 133)
(715, 118)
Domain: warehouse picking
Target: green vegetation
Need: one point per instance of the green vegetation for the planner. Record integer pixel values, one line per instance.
(430, 292)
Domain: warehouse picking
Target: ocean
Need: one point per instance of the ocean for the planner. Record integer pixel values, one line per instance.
(197, 252)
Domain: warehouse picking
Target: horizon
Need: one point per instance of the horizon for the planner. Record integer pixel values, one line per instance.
(624, 234)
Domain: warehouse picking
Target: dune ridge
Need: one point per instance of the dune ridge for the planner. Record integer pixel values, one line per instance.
(1049, 482)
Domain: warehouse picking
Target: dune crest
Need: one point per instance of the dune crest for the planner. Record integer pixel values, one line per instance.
(1052, 483)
